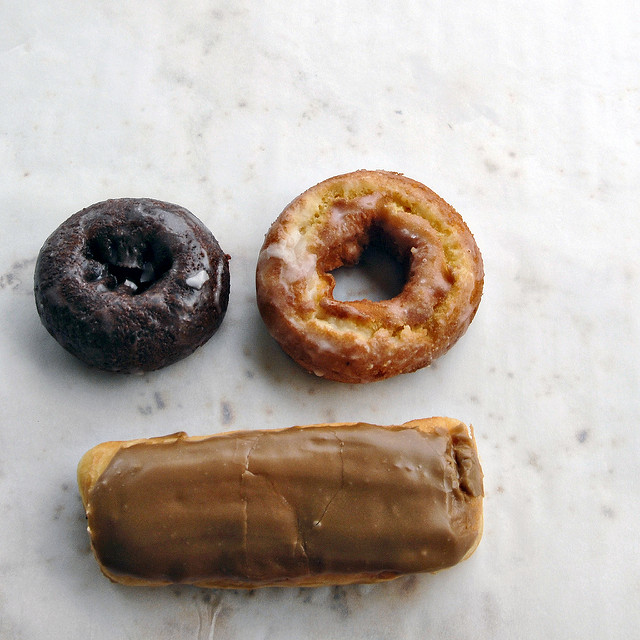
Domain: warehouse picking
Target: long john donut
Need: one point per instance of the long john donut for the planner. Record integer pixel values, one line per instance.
(305, 506)
(329, 226)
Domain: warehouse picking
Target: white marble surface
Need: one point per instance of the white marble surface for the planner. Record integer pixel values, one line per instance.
(524, 116)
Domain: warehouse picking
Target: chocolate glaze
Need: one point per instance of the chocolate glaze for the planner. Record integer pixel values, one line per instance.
(264, 507)
(131, 284)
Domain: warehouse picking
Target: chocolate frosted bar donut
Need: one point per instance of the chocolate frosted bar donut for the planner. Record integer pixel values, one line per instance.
(305, 506)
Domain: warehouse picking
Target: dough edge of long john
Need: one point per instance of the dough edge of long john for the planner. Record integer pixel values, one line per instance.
(96, 461)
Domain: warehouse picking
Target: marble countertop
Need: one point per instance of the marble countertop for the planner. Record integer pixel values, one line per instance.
(524, 116)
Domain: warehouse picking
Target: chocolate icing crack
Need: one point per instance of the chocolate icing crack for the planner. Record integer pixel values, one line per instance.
(318, 522)
(301, 543)
(245, 499)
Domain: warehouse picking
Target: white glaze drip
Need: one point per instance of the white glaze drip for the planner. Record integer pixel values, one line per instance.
(298, 263)
(218, 286)
(196, 281)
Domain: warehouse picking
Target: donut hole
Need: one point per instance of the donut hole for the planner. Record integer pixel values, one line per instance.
(379, 274)
(132, 263)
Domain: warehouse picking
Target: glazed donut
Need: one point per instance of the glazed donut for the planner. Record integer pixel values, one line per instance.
(329, 226)
(304, 506)
(131, 285)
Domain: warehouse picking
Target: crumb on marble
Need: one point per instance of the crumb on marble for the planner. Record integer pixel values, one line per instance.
(582, 436)
(226, 410)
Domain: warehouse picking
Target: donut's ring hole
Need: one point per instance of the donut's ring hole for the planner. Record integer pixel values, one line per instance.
(131, 263)
(384, 250)
(380, 273)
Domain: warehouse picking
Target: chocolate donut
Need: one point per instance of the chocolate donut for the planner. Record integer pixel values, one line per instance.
(329, 226)
(131, 284)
